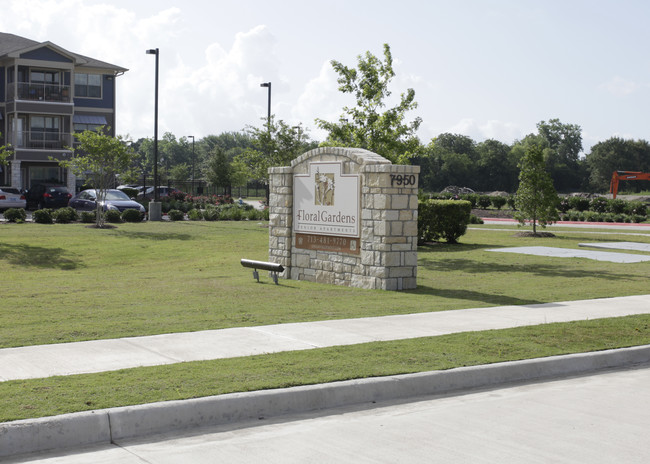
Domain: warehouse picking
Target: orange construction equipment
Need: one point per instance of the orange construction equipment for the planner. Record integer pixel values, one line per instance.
(625, 175)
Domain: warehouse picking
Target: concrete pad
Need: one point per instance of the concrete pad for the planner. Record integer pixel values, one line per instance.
(571, 253)
(632, 246)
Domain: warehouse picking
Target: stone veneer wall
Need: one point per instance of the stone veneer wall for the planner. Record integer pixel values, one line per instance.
(389, 214)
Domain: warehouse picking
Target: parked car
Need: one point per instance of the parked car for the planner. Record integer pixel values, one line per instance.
(11, 198)
(115, 200)
(162, 192)
(47, 196)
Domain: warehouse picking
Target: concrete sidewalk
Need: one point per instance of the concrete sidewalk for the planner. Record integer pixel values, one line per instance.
(111, 426)
(106, 355)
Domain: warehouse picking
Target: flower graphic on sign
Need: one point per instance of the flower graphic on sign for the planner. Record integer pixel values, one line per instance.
(324, 189)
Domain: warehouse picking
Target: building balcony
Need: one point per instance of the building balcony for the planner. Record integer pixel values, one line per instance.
(40, 140)
(39, 92)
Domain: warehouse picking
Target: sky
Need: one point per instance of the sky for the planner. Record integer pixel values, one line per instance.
(481, 68)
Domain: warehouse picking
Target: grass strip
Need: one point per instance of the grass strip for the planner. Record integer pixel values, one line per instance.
(57, 395)
(67, 282)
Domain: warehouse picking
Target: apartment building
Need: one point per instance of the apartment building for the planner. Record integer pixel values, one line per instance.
(48, 93)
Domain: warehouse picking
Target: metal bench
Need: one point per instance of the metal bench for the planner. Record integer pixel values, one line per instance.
(273, 268)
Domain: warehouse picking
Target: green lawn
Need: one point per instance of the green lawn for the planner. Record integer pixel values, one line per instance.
(68, 282)
(64, 283)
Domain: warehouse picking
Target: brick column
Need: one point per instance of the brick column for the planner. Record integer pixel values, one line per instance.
(280, 217)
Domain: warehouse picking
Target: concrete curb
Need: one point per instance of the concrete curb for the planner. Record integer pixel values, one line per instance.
(109, 425)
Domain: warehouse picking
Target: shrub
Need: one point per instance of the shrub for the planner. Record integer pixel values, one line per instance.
(65, 215)
(194, 215)
(498, 202)
(572, 215)
(474, 219)
(231, 213)
(176, 215)
(564, 205)
(616, 206)
(113, 216)
(592, 216)
(210, 213)
(131, 215)
(511, 201)
(16, 215)
(43, 216)
(471, 197)
(598, 204)
(579, 203)
(636, 207)
(88, 217)
(483, 201)
(443, 219)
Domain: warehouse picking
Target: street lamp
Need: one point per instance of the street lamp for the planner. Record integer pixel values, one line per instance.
(268, 124)
(192, 162)
(268, 117)
(155, 51)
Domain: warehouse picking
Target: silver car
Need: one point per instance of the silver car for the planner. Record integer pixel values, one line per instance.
(11, 198)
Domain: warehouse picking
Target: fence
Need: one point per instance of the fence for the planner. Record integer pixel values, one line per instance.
(201, 187)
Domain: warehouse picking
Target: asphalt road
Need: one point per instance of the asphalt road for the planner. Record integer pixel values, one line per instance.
(594, 419)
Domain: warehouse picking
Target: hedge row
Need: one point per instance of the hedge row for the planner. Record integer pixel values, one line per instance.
(593, 216)
(446, 219)
(227, 212)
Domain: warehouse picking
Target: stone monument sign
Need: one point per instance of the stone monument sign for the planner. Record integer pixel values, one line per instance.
(345, 216)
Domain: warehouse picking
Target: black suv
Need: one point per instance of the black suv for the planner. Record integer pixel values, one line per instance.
(47, 196)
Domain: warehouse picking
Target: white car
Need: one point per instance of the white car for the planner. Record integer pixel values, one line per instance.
(11, 198)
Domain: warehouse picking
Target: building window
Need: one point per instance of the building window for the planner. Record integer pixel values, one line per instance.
(84, 122)
(88, 85)
(45, 77)
(44, 128)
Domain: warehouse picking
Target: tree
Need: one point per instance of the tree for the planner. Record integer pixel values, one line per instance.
(365, 125)
(616, 154)
(562, 153)
(101, 157)
(276, 144)
(219, 169)
(536, 200)
(497, 169)
(4, 152)
(450, 159)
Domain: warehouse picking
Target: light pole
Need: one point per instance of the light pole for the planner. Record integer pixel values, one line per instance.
(157, 213)
(192, 162)
(268, 117)
(268, 126)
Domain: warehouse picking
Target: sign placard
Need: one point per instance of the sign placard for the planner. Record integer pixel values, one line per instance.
(326, 202)
(348, 245)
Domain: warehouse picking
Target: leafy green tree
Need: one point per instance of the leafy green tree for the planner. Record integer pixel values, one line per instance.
(617, 154)
(450, 159)
(180, 172)
(367, 125)
(562, 147)
(497, 168)
(276, 144)
(4, 153)
(536, 200)
(100, 157)
(219, 169)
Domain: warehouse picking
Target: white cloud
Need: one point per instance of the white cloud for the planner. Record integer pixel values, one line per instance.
(503, 131)
(320, 99)
(620, 86)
